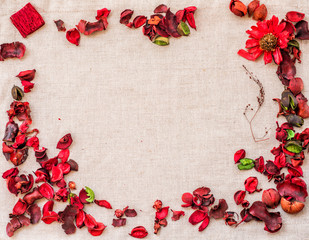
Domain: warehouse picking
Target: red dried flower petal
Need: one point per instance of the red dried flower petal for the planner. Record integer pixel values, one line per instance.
(240, 154)
(180, 16)
(130, 212)
(65, 141)
(32, 196)
(103, 203)
(239, 197)
(50, 217)
(251, 184)
(76, 202)
(125, 16)
(187, 198)
(139, 21)
(60, 25)
(280, 160)
(201, 192)
(27, 75)
(177, 214)
(61, 183)
(63, 155)
(16, 223)
(98, 230)
(197, 216)
(219, 210)
(204, 224)
(83, 196)
(49, 163)
(171, 24)
(259, 164)
(62, 195)
(57, 173)
(65, 167)
(33, 142)
(68, 217)
(88, 28)
(271, 198)
(80, 218)
(27, 20)
(73, 36)
(46, 190)
(190, 18)
(289, 189)
(294, 171)
(293, 16)
(139, 232)
(102, 13)
(162, 213)
(302, 31)
(20, 207)
(90, 222)
(238, 8)
(19, 156)
(48, 206)
(119, 222)
(10, 173)
(40, 153)
(271, 168)
(35, 213)
(296, 85)
(73, 165)
(160, 9)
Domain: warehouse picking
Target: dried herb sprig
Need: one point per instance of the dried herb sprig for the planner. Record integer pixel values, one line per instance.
(260, 100)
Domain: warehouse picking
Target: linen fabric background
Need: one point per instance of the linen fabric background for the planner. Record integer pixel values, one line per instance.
(148, 122)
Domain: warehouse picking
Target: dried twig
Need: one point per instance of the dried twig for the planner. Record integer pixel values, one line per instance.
(260, 100)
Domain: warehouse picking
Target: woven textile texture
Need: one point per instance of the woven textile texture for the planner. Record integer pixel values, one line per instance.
(148, 122)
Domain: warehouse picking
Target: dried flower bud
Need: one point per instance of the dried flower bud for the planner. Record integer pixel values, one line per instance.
(260, 13)
(238, 8)
(271, 198)
(252, 6)
(17, 93)
(119, 213)
(156, 228)
(291, 206)
(72, 185)
(157, 205)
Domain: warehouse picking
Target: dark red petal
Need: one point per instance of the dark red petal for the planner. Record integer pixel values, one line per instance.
(201, 192)
(102, 13)
(60, 25)
(103, 203)
(302, 31)
(98, 230)
(32, 196)
(171, 24)
(68, 217)
(288, 189)
(295, 16)
(20, 207)
(125, 16)
(162, 213)
(119, 222)
(88, 28)
(35, 213)
(27, 75)
(239, 197)
(271, 168)
(160, 9)
(218, 211)
(83, 196)
(65, 167)
(49, 163)
(204, 224)
(139, 21)
(10, 173)
(296, 85)
(197, 217)
(46, 190)
(139, 232)
(130, 212)
(259, 164)
(180, 16)
(80, 218)
(240, 154)
(73, 36)
(294, 171)
(177, 214)
(73, 165)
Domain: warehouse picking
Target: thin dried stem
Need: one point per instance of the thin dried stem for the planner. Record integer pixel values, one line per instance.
(260, 100)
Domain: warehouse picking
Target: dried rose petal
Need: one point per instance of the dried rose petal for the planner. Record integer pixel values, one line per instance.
(239, 197)
(20, 207)
(16, 223)
(125, 16)
(83, 195)
(218, 211)
(46, 190)
(27, 75)
(11, 130)
(48, 206)
(76, 202)
(103, 203)
(296, 85)
(204, 224)
(240, 154)
(32, 196)
(102, 13)
(139, 232)
(50, 217)
(119, 222)
(160, 9)
(98, 230)
(280, 160)
(49, 163)
(271, 198)
(251, 185)
(68, 217)
(130, 212)
(171, 24)
(10, 173)
(293, 16)
(65, 167)
(289, 189)
(238, 8)
(57, 173)
(201, 192)
(259, 164)
(177, 214)
(60, 25)
(260, 13)
(73, 36)
(65, 141)
(27, 20)
(162, 213)
(187, 198)
(294, 171)
(302, 31)
(63, 155)
(35, 213)
(271, 168)
(88, 28)
(90, 222)
(12, 50)
(139, 21)
(197, 216)
(73, 165)
(80, 218)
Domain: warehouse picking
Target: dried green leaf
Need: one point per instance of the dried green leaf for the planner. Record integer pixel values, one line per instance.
(90, 195)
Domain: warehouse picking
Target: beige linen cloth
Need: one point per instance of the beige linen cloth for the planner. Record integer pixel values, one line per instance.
(148, 122)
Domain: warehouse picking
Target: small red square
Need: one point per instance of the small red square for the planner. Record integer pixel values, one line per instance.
(27, 20)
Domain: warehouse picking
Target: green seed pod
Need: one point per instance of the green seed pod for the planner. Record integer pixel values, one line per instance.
(183, 29)
(161, 41)
(245, 167)
(294, 146)
(17, 93)
(246, 161)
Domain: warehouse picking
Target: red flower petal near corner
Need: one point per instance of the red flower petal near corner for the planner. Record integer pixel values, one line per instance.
(103, 203)
(80, 218)
(73, 36)
(65, 142)
(267, 37)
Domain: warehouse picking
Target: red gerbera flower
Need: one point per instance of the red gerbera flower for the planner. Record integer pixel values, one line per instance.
(267, 37)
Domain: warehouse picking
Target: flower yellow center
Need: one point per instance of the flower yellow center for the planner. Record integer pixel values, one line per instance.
(268, 42)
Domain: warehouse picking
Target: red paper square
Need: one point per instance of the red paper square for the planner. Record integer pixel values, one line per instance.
(27, 20)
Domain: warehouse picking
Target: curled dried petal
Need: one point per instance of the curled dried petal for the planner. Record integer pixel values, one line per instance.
(103, 203)
(293, 16)
(125, 16)
(73, 36)
(162, 213)
(12, 50)
(197, 216)
(139, 232)
(177, 214)
(119, 222)
(251, 185)
(239, 197)
(160, 9)
(240, 154)
(218, 211)
(60, 25)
